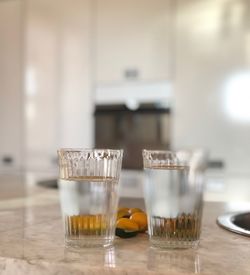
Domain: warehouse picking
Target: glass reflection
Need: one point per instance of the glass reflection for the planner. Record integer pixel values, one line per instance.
(187, 261)
(91, 256)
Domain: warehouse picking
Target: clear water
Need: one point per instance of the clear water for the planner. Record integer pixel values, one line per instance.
(174, 205)
(89, 206)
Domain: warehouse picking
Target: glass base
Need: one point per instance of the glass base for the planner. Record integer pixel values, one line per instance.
(89, 242)
(167, 244)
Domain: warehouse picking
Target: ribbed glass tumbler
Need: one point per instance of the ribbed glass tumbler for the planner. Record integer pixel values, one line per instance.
(173, 193)
(88, 182)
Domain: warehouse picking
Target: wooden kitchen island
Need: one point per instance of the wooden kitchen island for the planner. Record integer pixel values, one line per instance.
(31, 241)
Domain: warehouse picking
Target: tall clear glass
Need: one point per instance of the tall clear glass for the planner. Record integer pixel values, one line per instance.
(88, 182)
(173, 196)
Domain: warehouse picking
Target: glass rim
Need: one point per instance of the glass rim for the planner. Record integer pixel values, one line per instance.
(192, 149)
(88, 150)
(159, 151)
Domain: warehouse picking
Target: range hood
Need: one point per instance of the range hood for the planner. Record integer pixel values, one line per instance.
(134, 93)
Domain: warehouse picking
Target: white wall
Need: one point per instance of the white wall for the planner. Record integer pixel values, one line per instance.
(10, 82)
(210, 49)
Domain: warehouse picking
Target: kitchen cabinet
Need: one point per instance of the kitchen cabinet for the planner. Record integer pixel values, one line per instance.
(132, 40)
(11, 119)
(57, 89)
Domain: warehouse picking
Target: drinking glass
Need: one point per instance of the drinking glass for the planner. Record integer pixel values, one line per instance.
(88, 182)
(173, 193)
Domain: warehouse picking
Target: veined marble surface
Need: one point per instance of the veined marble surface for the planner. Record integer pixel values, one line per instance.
(31, 241)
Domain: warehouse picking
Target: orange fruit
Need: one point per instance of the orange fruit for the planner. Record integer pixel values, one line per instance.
(122, 213)
(127, 224)
(141, 219)
(134, 210)
(123, 209)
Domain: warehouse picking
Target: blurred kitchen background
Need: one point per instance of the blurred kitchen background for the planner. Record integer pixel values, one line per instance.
(131, 74)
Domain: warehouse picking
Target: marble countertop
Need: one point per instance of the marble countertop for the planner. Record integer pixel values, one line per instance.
(31, 241)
